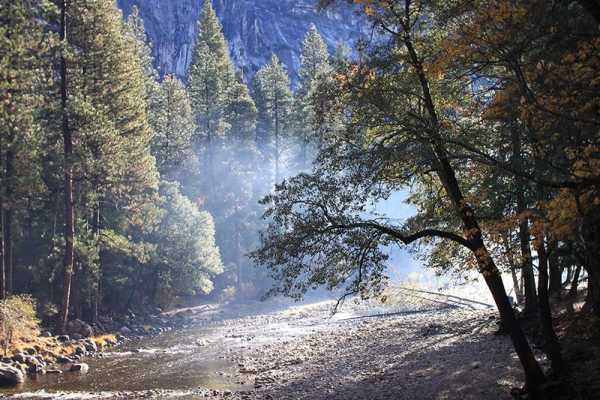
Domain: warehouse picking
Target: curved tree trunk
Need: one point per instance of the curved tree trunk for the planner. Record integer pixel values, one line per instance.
(533, 373)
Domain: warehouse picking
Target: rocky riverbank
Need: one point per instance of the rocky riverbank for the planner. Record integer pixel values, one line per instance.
(301, 352)
(50, 354)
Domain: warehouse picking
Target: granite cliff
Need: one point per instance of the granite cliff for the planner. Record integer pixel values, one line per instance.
(254, 29)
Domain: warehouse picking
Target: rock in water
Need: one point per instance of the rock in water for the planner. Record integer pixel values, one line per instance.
(64, 360)
(90, 346)
(10, 376)
(255, 29)
(82, 368)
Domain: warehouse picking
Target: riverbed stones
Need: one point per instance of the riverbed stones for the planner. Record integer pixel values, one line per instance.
(80, 329)
(81, 368)
(19, 357)
(10, 376)
(64, 360)
(90, 345)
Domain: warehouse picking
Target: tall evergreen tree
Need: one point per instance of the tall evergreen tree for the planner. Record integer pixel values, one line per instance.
(106, 133)
(24, 56)
(314, 65)
(274, 101)
(174, 126)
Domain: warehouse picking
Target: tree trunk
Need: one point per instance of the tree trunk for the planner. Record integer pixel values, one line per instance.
(568, 278)
(524, 236)
(277, 173)
(575, 282)
(96, 299)
(533, 373)
(592, 301)
(551, 344)
(2, 231)
(8, 216)
(590, 236)
(69, 234)
(555, 274)
(513, 268)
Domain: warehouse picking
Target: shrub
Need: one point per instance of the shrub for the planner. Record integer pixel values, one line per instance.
(17, 319)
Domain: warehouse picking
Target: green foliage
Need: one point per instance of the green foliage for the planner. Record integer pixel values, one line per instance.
(187, 257)
(173, 125)
(18, 319)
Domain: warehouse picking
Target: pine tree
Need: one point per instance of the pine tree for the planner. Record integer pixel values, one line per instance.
(211, 76)
(174, 126)
(106, 132)
(313, 68)
(24, 56)
(274, 101)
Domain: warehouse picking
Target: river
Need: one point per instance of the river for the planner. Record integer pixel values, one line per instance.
(301, 352)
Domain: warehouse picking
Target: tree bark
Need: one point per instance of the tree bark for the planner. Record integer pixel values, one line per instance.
(2, 238)
(551, 343)
(69, 234)
(513, 268)
(8, 215)
(96, 299)
(555, 274)
(524, 236)
(575, 282)
(533, 373)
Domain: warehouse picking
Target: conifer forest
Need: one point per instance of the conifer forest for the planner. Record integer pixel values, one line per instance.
(300, 199)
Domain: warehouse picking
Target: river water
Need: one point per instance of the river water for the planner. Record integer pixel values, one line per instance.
(176, 362)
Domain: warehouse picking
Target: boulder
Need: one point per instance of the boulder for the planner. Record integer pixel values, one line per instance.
(63, 338)
(31, 351)
(19, 357)
(46, 334)
(125, 330)
(74, 326)
(82, 368)
(64, 360)
(54, 371)
(80, 350)
(79, 327)
(34, 369)
(10, 376)
(76, 336)
(87, 331)
(90, 346)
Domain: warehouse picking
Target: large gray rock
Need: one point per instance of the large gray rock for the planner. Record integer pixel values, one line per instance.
(79, 329)
(64, 360)
(90, 345)
(254, 28)
(10, 376)
(82, 368)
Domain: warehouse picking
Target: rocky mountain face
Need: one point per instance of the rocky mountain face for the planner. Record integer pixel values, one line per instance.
(255, 29)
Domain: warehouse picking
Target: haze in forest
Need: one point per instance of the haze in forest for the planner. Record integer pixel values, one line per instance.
(420, 177)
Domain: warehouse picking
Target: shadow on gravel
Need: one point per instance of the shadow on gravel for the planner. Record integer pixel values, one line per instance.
(459, 362)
